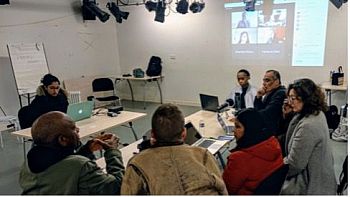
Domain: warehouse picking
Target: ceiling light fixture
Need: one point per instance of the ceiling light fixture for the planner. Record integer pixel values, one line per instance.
(91, 10)
(182, 6)
(118, 14)
(197, 7)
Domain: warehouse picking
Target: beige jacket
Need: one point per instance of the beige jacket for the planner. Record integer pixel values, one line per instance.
(173, 170)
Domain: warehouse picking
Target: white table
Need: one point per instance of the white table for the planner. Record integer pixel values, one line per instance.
(145, 80)
(93, 125)
(328, 87)
(127, 153)
(212, 129)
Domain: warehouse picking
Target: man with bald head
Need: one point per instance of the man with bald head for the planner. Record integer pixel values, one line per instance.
(54, 166)
(269, 101)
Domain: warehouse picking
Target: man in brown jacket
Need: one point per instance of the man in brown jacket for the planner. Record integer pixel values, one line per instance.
(171, 167)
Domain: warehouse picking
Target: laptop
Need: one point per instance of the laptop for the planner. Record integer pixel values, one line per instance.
(80, 111)
(194, 138)
(225, 126)
(208, 102)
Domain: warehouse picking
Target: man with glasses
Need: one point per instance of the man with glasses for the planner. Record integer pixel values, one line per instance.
(244, 90)
(269, 101)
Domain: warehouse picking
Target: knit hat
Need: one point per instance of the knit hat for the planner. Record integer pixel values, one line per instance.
(253, 124)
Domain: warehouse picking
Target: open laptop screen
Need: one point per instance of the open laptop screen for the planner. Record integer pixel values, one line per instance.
(192, 134)
(80, 111)
(208, 102)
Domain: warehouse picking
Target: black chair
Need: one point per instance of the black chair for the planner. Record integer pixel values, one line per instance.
(272, 184)
(105, 86)
(26, 117)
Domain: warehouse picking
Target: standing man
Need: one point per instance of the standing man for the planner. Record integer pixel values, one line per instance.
(269, 100)
(170, 167)
(245, 91)
(53, 167)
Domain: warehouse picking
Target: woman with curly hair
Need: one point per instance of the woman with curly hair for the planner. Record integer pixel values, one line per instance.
(308, 150)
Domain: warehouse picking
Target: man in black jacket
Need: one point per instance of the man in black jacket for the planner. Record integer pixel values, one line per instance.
(269, 101)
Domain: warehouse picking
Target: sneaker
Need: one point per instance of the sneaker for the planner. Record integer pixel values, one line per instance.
(340, 137)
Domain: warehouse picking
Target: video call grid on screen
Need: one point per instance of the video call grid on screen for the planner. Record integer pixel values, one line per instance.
(282, 33)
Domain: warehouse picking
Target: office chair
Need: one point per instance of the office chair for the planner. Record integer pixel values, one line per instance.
(104, 85)
(272, 184)
(26, 117)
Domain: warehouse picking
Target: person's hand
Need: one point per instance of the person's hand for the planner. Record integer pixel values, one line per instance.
(231, 119)
(153, 141)
(104, 141)
(261, 92)
(286, 108)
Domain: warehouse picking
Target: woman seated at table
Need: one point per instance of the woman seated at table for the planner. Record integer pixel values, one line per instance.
(49, 97)
(256, 156)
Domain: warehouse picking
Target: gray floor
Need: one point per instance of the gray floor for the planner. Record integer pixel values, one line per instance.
(12, 153)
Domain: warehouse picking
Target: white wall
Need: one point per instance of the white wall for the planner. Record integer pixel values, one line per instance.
(195, 49)
(74, 48)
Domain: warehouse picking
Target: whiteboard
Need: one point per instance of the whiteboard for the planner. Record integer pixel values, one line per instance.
(29, 65)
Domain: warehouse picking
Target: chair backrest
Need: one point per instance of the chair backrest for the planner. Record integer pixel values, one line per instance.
(272, 184)
(102, 84)
(25, 117)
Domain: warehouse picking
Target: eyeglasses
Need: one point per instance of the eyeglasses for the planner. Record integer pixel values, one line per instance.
(292, 98)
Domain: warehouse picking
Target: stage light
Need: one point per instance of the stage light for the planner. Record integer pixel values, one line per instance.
(4, 2)
(249, 5)
(159, 7)
(151, 6)
(182, 6)
(197, 7)
(118, 14)
(91, 10)
(160, 11)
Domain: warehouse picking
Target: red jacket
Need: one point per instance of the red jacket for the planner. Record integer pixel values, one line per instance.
(246, 168)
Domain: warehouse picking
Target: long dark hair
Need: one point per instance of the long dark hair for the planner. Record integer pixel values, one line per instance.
(311, 95)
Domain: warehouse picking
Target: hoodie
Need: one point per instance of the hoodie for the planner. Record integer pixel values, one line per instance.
(247, 167)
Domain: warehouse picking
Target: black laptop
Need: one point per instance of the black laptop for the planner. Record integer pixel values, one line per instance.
(209, 102)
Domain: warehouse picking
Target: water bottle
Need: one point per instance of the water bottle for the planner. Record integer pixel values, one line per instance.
(202, 127)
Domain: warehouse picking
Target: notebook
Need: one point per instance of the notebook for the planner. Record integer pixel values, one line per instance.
(225, 126)
(209, 103)
(80, 111)
(194, 138)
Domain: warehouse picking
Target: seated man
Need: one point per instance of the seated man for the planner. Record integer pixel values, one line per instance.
(245, 91)
(53, 168)
(170, 167)
(269, 101)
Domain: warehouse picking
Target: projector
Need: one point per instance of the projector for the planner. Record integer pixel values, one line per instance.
(115, 109)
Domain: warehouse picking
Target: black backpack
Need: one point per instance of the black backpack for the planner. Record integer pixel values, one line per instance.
(154, 66)
(332, 116)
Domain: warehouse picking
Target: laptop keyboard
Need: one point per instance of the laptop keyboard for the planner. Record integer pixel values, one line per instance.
(206, 143)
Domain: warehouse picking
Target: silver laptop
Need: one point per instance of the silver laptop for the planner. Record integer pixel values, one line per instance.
(80, 111)
(225, 126)
(194, 138)
(209, 102)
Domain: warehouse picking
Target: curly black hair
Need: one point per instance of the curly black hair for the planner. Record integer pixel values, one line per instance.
(311, 95)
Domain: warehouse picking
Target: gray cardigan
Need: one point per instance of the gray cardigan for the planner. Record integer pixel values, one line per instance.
(309, 156)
